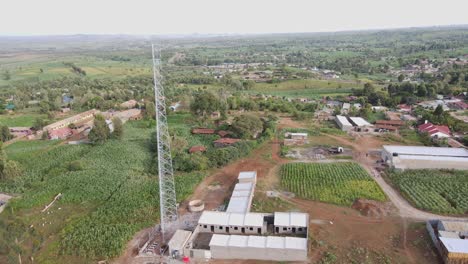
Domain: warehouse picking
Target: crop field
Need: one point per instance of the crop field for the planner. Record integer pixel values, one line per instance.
(435, 191)
(338, 183)
(105, 202)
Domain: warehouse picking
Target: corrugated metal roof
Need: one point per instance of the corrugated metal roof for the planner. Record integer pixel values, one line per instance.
(454, 245)
(449, 234)
(240, 194)
(243, 186)
(299, 134)
(244, 175)
(231, 219)
(219, 240)
(427, 151)
(238, 205)
(275, 242)
(359, 121)
(179, 238)
(291, 219)
(439, 158)
(238, 241)
(257, 242)
(343, 120)
(295, 243)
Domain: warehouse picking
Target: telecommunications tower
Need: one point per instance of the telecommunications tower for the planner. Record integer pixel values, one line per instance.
(167, 195)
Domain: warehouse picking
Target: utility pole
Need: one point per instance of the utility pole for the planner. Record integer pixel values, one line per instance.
(167, 195)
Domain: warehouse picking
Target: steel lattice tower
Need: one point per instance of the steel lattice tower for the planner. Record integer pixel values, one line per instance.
(167, 195)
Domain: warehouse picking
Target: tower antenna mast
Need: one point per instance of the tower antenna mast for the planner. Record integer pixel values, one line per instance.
(167, 195)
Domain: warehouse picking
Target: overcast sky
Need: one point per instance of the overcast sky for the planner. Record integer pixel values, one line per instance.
(51, 17)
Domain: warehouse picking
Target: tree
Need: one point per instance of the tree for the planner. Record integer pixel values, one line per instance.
(118, 128)
(100, 132)
(2, 160)
(12, 170)
(247, 126)
(150, 110)
(5, 134)
(422, 91)
(439, 110)
(39, 123)
(401, 77)
(204, 103)
(6, 75)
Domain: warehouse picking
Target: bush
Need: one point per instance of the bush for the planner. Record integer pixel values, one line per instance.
(75, 166)
(12, 170)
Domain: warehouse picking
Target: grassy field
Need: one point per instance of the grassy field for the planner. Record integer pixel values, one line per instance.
(311, 88)
(20, 120)
(338, 183)
(434, 190)
(105, 202)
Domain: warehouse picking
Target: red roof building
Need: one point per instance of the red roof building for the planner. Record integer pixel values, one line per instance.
(434, 130)
(404, 108)
(460, 105)
(396, 123)
(204, 131)
(223, 142)
(197, 149)
(223, 133)
(61, 133)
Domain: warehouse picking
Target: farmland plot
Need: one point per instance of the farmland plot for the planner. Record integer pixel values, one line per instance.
(436, 191)
(337, 183)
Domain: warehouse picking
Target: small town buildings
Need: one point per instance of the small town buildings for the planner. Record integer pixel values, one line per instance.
(65, 110)
(390, 125)
(215, 115)
(291, 222)
(130, 114)
(450, 239)
(195, 149)
(418, 157)
(404, 108)
(360, 123)
(203, 131)
(178, 241)
(343, 123)
(60, 133)
(272, 248)
(129, 104)
(223, 133)
(20, 131)
(458, 105)
(434, 131)
(225, 142)
(295, 139)
(76, 119)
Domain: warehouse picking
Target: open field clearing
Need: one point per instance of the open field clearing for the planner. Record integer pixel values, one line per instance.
(435, 191)
(21, 120)
(337, 183)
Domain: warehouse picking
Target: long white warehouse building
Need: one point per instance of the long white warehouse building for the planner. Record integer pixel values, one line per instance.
(417, 157)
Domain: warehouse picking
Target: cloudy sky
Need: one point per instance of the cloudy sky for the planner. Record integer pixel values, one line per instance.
(51, 17)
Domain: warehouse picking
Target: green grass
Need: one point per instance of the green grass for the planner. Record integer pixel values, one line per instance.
(438, 191)
(338, 183)
(20, 120)
(103, 205)
(306, 88)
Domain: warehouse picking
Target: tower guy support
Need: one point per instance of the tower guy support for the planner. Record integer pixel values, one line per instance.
(167, 195)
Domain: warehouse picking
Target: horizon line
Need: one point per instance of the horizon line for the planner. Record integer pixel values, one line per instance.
(230, 33)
